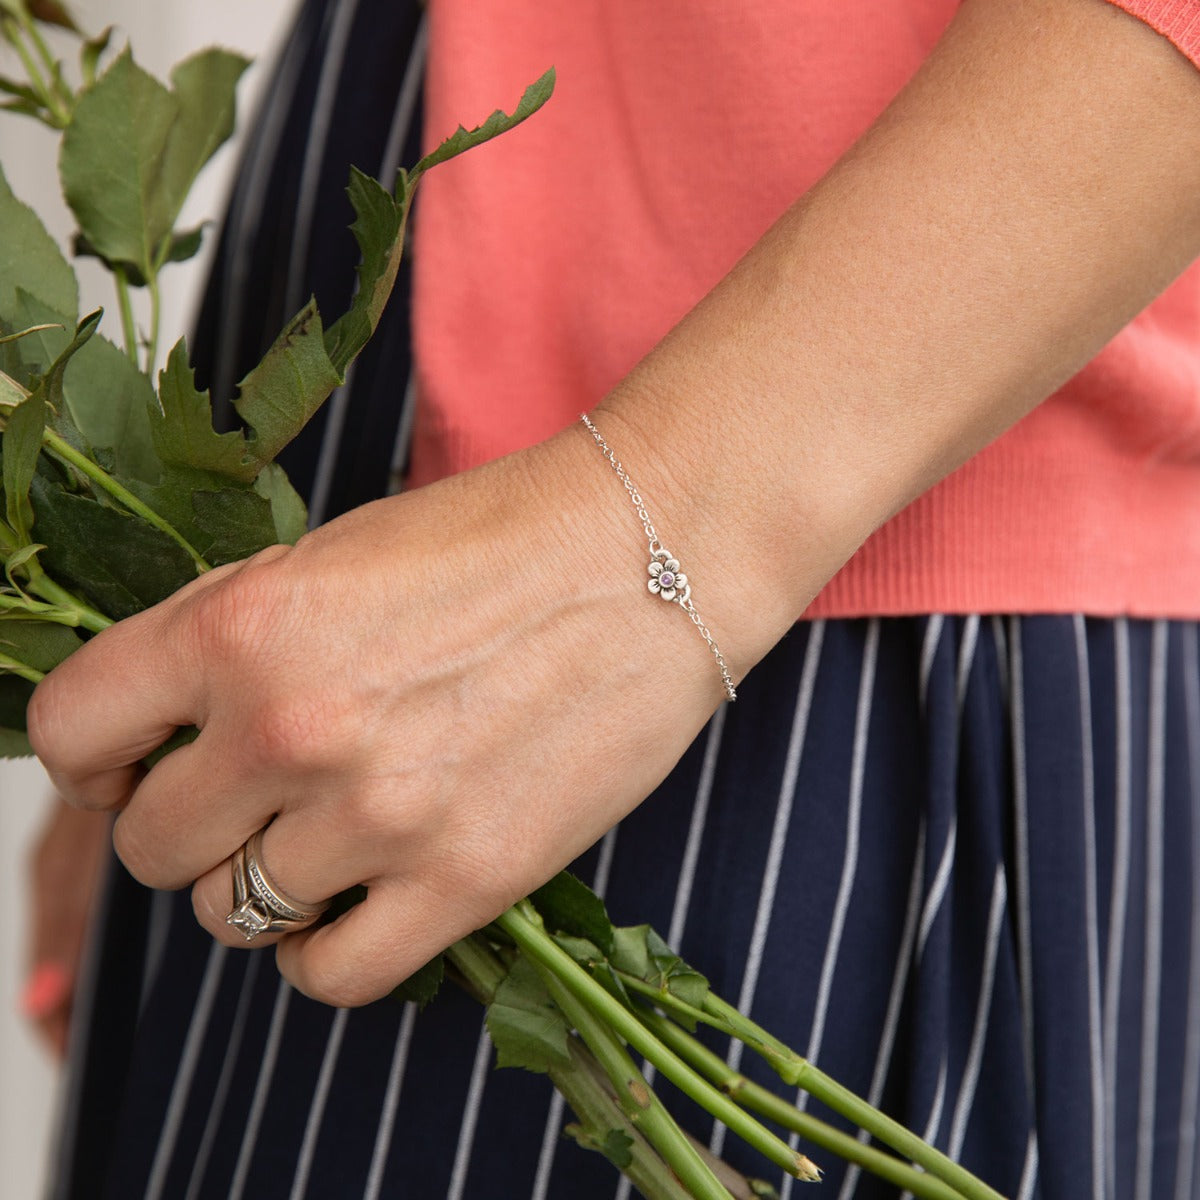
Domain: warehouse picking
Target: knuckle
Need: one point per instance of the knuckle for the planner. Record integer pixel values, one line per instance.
(44, 721)
(234, 619)
(205, 908)
(338, 984)
(131, 850)
(295, 731)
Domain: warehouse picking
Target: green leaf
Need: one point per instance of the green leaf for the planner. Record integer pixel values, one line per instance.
(32, 356)
(117, 562)
(185, 244)
(423, 985)
(639, 951)
(25, 108)
(22, 442)
(90, 53)
(30, 260)
(111, 163)
(287, 508)
(617, 1147)
(14, 743)
(14, 696)
(569, 906)
(535, 95)
(379, 231)
(40, 644)
(109, 401)
(280, 395)
(50, 387)
(181, 424)
(180, 247)
(525, 1026)
(11, 87)
(229, 524)
(276, 400)
(205, 87)
(380, 220)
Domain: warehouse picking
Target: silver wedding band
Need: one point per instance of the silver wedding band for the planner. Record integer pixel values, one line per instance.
(259, 906)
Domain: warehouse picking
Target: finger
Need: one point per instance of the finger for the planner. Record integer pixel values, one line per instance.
(99, 713)
(371, 949)
(190, 812)
(308, 856)
(120, 696)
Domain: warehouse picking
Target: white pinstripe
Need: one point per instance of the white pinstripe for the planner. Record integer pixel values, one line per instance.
(966, 660)
(687, 868)
(929, 645)
(935, 1114)
(316, 1107)
(1029, 1173)
(900, 976)
(338, 404)
(968, 643)
(983, 1008)
(314, 149)
(1189, 1107)
(775, 849)
(837, 925)
(1152, 969)
(262, 1088)
(691, 850)
(188, 1058)
(552, 1133)
(1002, 658)
(470, 1121)
(941, 880)
(245, 215)
(79, 1038)
(224, 1080)
(858, 765)
(937, 890)
(1021, 847)
(905, 955)
(159, 927)
(391, 1103)
(1091, 906)
(404, 429)
(1120, 888)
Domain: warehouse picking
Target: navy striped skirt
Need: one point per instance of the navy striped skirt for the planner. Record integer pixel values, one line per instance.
(953, 860)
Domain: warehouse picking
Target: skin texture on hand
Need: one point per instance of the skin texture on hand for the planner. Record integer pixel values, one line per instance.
(444, 696)
(448, 695)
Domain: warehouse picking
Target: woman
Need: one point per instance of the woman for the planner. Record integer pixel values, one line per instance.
(950, 857)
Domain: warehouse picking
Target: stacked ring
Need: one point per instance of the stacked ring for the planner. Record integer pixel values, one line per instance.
(260, 906)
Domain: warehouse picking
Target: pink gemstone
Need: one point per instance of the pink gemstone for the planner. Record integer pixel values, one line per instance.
(667, 579)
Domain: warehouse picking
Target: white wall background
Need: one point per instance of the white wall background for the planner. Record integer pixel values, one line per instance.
(161, 34)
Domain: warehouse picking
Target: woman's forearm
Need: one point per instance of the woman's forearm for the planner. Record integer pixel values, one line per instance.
(1033, 187)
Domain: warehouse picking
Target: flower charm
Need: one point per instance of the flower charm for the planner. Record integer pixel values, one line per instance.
(666, 579)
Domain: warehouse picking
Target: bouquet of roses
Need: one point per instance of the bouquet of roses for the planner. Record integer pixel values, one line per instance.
(117, 491)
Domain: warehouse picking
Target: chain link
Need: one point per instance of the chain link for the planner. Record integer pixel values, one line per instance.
(659, 552)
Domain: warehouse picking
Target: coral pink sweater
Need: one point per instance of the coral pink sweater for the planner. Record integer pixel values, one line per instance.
(550, 262)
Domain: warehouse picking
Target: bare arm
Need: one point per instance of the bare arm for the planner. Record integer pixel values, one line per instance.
(501, 697)
(1033, 188)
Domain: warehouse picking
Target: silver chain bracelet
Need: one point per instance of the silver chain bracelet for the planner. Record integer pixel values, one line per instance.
(667, 582)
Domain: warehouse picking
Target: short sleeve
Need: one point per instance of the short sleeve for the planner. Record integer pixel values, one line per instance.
(1177, 20)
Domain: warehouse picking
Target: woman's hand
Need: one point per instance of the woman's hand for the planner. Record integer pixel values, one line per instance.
(63, 874)
(444, 696)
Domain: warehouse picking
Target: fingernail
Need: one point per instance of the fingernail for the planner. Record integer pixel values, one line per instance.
(47, 987)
